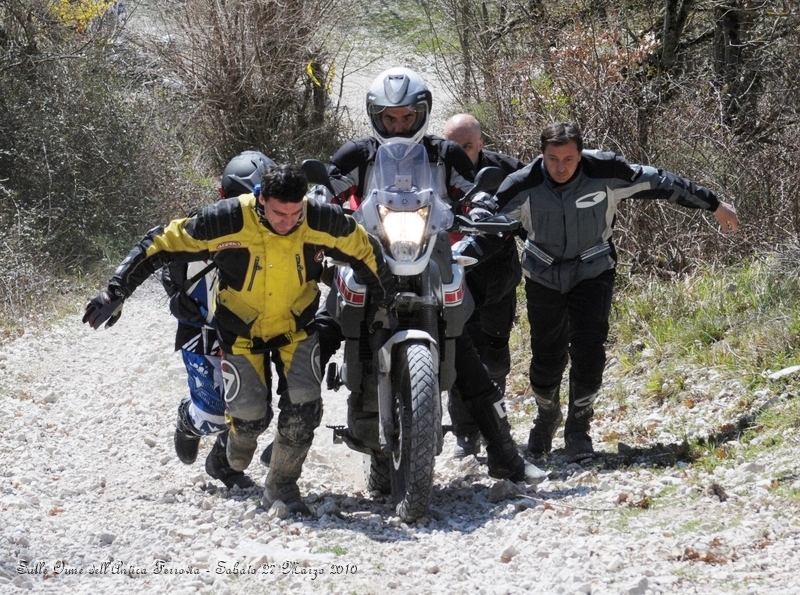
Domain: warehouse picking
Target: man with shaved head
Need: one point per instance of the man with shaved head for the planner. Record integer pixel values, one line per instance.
(493, 285)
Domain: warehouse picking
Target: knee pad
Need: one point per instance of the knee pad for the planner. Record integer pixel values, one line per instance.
(250, 427)
(297, 421)
(497, 361)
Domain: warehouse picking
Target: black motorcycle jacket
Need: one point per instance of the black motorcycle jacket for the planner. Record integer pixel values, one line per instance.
(351, 166)
(507, 163)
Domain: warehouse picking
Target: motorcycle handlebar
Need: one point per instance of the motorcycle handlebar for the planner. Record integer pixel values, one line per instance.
(487, 180)
(494, 225)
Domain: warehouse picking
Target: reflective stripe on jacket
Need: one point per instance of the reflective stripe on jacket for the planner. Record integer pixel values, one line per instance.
(569, 225)
(267, 286)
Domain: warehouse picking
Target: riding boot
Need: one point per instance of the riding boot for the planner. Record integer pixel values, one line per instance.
(243, 440)
(217, 465)
(548, 419)
(286, 465)
(497, 360)
(504, 460)
(579, 416)
(468, 438)
(186, 438)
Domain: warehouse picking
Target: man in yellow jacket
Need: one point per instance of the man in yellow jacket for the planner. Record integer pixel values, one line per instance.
(269, 248)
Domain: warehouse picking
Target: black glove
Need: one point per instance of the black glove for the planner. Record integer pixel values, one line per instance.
(388, 299)
(186, 309)
(328, 270)
(171, 285)
(389, 285)
(106, 307)
(304, 319)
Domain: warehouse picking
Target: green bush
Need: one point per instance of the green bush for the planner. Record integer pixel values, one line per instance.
(258, 76)
(87, 164)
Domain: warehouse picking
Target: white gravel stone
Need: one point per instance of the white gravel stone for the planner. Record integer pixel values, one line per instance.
(85, 493)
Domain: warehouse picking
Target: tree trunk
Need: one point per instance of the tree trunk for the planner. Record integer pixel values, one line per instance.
(739, 82)
(675, 14)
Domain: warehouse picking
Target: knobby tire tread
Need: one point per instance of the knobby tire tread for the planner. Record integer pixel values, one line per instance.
(378, 473)
(416, 381)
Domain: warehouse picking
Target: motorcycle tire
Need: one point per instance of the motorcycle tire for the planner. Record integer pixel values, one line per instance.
(378, 473)
(417, 418)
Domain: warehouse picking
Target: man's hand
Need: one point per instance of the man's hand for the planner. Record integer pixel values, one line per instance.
(726, 216)
(484, 200)
(186, 309)
(106, 307)
(477, 214)
(328, 271)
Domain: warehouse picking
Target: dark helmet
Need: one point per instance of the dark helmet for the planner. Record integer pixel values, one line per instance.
(243, 172)
(399, 87)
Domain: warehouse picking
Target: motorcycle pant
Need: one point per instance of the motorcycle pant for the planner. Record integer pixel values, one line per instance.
(206, 409)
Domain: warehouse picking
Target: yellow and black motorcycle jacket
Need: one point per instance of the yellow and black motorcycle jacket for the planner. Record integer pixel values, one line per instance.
(267, 290)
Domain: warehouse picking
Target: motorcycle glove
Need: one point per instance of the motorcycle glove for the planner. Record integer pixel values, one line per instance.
(388, 298)
(105, 307)
(483, 200)
(479, 214)
(186, 309)
(328, 271)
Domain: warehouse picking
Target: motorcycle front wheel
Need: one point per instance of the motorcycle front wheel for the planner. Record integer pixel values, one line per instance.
(415, 389)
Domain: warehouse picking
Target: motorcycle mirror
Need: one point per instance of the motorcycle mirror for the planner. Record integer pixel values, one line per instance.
(316, 173)
(487, 180)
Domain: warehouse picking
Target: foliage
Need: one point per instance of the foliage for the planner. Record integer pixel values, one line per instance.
(744, 318)
(258, 76)
(86, 163)
(707, 90)
(675, 343)
(80, 14)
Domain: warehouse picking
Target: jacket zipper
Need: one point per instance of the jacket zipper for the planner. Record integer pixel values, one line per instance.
(299, 268)
(256, 267)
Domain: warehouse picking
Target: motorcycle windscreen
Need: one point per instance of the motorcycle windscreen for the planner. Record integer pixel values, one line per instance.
(401, 208)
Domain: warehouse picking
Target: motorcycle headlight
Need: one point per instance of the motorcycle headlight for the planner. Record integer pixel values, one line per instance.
(404, 231)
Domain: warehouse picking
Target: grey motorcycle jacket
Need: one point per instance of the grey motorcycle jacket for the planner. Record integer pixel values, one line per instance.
(569, 225)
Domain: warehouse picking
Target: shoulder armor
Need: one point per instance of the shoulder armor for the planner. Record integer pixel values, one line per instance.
(329, 218)
(606, 164)
(222, 218)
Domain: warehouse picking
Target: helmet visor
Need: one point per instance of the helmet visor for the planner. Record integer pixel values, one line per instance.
(398, 121)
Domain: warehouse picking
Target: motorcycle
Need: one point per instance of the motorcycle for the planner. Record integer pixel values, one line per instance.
(396, 371)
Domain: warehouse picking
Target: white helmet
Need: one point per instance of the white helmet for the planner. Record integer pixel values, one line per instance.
(399, 87)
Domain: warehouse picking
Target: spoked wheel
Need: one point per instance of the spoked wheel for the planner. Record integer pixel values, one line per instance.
(378, 473)
(417, 418)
